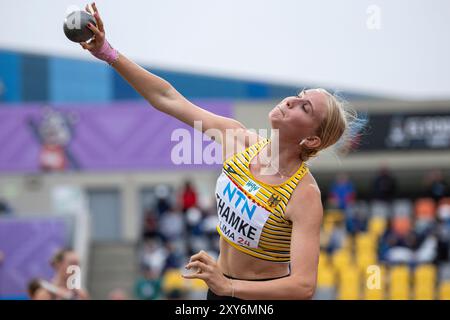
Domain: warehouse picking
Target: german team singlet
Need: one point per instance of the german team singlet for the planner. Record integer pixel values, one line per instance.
(251, 212)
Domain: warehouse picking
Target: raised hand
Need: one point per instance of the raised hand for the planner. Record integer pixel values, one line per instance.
(98, 45)
(99, 32)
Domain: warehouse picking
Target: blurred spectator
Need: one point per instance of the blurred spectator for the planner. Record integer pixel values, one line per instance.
(342, 196)
(336, 238)
(61, 262)
(400, 244)
(150, 224)
(2, 257)
(443, 214)
(194, 223)
(37, 292)
(188, 196)
(209, 228)
(153, 256)
(426, 251)
(384, 185)
(172, 225)
(40, 289)
(148, 286)
(193, 220)
(435, 185)
(174, 256)
(4, 207)
(397, 244)
(210, 222)
(162, 206)
(356, 217)
(425, 231)
(443, 238)
(163, 195)
(342, 192)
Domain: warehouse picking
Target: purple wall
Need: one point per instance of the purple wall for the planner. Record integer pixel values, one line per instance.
(27, 246)
(121, 136)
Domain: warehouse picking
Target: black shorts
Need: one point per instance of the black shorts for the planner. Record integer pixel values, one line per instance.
(212, 296)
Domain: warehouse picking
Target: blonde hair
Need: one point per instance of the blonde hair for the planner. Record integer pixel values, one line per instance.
(336, 126)
(58, 257)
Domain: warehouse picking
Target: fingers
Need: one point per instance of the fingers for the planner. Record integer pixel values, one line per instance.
(199, 265)
(86, 46)
(89, 9)
(97, 18)
(95, 30)
(202, 256)
(94, 6)
(200, 276)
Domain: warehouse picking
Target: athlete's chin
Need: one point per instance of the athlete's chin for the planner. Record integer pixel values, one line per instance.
(275, 120)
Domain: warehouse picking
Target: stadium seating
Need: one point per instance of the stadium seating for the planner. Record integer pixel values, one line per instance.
(425, 208)
(444, 291)
(377, 225)
(399, 280)
(349, 283)
(424, 282)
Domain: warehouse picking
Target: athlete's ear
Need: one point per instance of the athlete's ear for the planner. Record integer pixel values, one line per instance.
(311, 142)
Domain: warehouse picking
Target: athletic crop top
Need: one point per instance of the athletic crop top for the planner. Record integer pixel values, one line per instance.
(251, 212)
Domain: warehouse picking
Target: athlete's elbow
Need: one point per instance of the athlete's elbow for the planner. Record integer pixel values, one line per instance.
(304, 290)
(308, 292)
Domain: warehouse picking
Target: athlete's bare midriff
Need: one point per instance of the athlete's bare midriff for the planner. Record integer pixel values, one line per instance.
(240, 265)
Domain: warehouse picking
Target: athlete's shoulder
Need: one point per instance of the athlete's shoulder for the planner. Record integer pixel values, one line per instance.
(307, 186)
(305, 198)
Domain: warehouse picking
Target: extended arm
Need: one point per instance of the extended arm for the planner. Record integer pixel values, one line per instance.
(157, 91)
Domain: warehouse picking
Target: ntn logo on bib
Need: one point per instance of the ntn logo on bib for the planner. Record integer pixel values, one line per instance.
(241, 220)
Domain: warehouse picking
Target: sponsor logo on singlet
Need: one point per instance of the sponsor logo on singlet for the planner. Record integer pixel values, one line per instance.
(241, 220)
(252, 187)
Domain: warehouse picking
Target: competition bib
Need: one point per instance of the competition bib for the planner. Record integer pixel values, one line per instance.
(241, 220)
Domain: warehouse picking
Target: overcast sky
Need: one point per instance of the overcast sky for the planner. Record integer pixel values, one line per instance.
(399, 48)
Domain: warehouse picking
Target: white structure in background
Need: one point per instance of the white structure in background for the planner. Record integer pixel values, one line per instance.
(382, 47)
(71, 200)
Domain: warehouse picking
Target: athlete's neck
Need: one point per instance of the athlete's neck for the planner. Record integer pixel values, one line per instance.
(283, 157)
